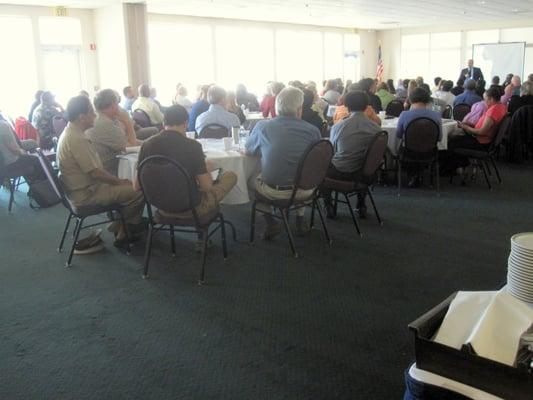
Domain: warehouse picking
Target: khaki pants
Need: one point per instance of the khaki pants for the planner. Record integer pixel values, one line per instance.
(103, 194)
(273, 194)
(210, 200)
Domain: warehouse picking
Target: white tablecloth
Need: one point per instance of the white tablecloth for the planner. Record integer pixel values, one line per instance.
(390, 125)
(245, 167)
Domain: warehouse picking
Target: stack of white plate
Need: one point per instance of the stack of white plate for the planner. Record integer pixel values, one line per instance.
(520, 267)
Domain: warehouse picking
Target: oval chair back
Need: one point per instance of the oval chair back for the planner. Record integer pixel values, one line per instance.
(374, 156)
(394, 108)
(213, 131)
(460, 111)
(421, 137)
(141, 118)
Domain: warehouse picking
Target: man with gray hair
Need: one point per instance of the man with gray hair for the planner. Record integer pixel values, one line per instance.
(281, 142)
(148, 105)
(217, 113)
(525, 98)
(112, 130)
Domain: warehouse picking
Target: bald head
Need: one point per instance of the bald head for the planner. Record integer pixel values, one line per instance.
(144, 90)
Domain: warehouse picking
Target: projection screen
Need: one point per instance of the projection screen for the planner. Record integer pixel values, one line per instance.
(499, 59)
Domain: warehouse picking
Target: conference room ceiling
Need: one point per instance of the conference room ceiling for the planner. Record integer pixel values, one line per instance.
(369, 14)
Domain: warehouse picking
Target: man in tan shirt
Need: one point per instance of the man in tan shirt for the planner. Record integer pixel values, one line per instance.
(85, 180)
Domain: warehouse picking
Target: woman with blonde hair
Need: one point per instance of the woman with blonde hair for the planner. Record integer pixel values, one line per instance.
(410, 87)
(232, 107)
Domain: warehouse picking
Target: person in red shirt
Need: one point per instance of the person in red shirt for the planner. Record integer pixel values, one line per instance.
(268, 105)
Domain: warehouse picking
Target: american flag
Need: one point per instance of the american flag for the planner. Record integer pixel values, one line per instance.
(379, 67)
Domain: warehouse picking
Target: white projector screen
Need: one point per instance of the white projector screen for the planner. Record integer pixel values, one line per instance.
(499, 59)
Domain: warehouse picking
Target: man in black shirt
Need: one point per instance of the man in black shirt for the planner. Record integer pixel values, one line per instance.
(173, 143)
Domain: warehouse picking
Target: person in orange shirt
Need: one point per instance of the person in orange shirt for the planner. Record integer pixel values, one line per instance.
(342, 111)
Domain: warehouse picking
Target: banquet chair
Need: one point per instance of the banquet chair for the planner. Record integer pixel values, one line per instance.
(80, 214)
(485, 158)
(59, 124)
(419, 146)
(213, 131)
(373, 160)
(460, 111)
(394, 108)
(11, 177)
(519, 141)
(310, 174)
(447, 112)
(141, 118)
(155, 173)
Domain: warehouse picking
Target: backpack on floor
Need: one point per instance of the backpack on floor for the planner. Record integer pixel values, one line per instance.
(42, 195)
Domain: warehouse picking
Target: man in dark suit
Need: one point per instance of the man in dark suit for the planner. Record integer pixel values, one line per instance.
(471, 72)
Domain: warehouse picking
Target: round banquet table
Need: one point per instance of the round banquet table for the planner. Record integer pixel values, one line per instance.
(244, 167)
(389, 125)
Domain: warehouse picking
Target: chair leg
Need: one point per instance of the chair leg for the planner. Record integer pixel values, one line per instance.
(60, 248)
(437, 177)
(483, 168)
(75, 240)
(352, 214)
(11, 195)
(125, 226)
(172, 241)
(399, 177)
(289, 233)
(489, 169)
(252, 221)
(205, 236)
(336, 202)
(75, 227)
(233, 230)
(374, 207)
(223, 236)
(148, 250)
(322, 221)
(496, 169)
(312, 222)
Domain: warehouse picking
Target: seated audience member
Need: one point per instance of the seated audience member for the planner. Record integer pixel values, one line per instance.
(112, 131)
(384, 95)
(421, 84)
(281, 142)
(477, 137)
(469, 95)
(401, 89)
(411, 85)
(390, 86)
(35, 104)
(368, 85)
(331, 92)
(351, 138)
(342, 111)
(512, 89)
(145, 103)
(496, 82)
(84, 178)
(181, 98)
(459, 87)
(507, 80)
(173, 143)
(15, 157)
(437, 82)
(530, 77)
(42, 119)
(444, 94)
(268, 105)
(200, 106)
(419, 100)
(129, 98)
(84, 93)
(308, 113)
(266, 98)
(245, 98)
(477, 110)
(525, 98)
(232, 107)
(319, 105)
(217, 113)
(480, 87)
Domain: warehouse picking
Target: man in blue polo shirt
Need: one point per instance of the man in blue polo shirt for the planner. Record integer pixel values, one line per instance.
(281, 143)
(469, 96)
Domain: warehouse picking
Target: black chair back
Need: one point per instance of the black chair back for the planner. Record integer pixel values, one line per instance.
(167, 186)
(502, 129)
(313, 166)
(447, 112)
(460, 111)
(141, 118)
(374, 155)
(213, 131)
(421, 137)
(394, 108)
(59, 124)
(54, 180)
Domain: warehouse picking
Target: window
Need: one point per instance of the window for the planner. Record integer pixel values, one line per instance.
(60, 31)
(445, 55)
(415, 56)
(477, 37)
(333, 56)
(352, 68)
(299, 55)
(244, 55)
(180, 53)
(18, 78)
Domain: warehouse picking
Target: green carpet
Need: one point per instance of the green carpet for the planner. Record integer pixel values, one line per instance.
(329, 325)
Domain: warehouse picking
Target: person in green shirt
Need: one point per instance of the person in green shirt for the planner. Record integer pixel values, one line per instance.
(384, 95)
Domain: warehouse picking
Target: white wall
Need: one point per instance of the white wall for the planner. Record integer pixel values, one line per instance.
(111, 47)
(89, 68)
(391, 41)
(369, 53)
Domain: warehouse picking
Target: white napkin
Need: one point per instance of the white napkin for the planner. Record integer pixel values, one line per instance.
(492, 322)
(133, 149)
